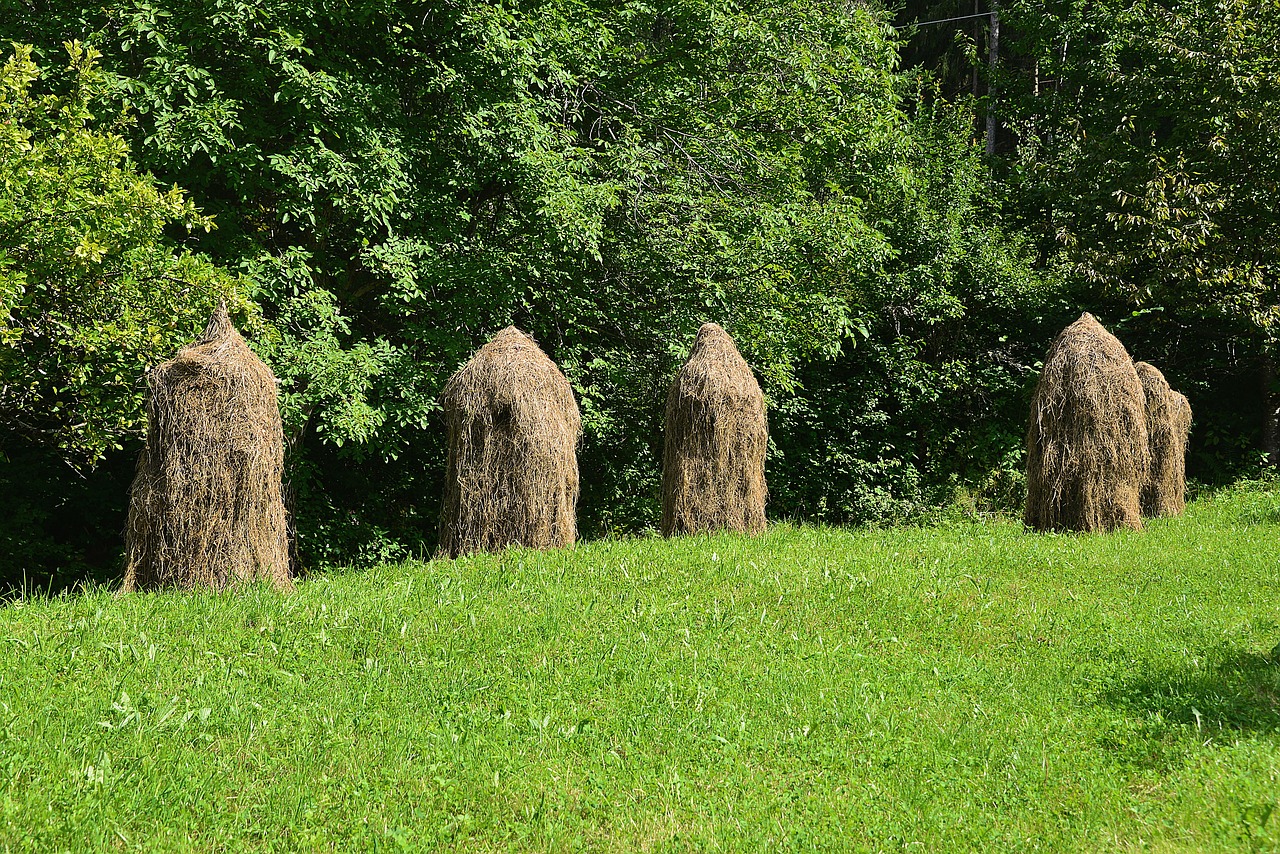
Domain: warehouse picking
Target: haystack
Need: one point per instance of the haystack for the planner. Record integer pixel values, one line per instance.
(512, 475)
(716, 438)
(206, 507)
(1168, 424)
(1087, 455)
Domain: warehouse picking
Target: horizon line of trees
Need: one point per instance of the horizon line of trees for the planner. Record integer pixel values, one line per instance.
(377, 186)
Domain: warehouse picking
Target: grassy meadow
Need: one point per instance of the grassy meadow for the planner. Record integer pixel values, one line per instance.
(959, 686)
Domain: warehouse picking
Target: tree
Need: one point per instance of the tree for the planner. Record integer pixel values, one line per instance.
(91, 293)
(398, 180)
(1146, 164)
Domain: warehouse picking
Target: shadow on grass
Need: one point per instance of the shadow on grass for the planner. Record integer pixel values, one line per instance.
(1231, 690)
(1258, 516)
(55, 584)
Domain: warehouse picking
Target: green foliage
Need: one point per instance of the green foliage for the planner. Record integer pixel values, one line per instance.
(1135, 148)
(90, 293)
(930, 393)
(1151, 157)
(1146, 170)
(401, 180)
(960, 687)
(396, 181)
(323, 385)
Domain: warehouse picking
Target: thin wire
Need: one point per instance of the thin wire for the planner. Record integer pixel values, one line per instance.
(945, 20)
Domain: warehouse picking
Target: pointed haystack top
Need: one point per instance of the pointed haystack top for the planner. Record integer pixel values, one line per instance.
(716, 438)
(716, 368)
(1087, 455)
(510, 371)
(207, 508)
(218, 327)
(512, 475)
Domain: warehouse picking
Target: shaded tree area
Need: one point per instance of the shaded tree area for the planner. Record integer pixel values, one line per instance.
(90, 295)
(1137, 154)
(1150, 170)
(386, 184)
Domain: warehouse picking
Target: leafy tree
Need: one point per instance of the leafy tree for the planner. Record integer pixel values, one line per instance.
(926, 404)
(90, 292)
(398, 180)
(1146, 165)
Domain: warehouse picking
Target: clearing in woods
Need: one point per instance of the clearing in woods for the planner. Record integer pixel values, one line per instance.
(949, 687)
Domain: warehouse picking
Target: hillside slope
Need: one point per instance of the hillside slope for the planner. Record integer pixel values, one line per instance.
(959, 686)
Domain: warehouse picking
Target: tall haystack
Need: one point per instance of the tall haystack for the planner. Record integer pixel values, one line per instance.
(1087, 455)
(716, 438)
(1168, 425)
(512, 476)
(206, 508)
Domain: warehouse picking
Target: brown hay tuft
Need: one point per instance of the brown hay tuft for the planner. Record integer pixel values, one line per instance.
(512, 473)
(1168, 424)
(206, 507)
(716, 438)
(1087, 455)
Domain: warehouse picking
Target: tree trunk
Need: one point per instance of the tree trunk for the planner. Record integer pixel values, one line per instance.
(993, 58)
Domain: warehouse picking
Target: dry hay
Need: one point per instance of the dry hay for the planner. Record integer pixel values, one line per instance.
(206, 508)
(1168, 424)
(512, 472)
(1087, 455)
(716, 438)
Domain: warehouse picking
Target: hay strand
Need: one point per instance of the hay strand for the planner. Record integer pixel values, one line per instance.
(512, 471)
(1087, 454)
(206, 508)
(1168, 425)
(716, 438)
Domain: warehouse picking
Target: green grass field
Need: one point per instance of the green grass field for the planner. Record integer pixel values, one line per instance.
(954, 687)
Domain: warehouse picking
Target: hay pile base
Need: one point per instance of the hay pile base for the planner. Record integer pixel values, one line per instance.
(716, 439)
(206, 507)
(1087, 455)
(512, 472)
(1168, 425)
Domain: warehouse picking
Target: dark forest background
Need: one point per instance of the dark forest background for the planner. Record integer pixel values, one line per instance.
(893, 213)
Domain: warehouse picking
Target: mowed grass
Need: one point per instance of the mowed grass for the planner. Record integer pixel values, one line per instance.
(956, 687)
